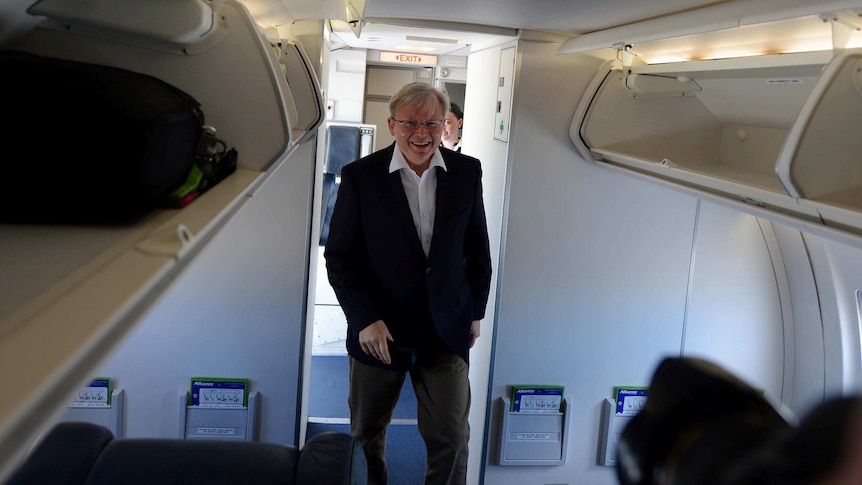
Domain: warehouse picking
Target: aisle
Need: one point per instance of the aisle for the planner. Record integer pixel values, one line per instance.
(328, 411)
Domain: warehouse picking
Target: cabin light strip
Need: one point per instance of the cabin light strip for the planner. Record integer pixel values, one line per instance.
(728, 16)
(698, 21)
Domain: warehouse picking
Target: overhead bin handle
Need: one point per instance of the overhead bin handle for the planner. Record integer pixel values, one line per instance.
(649, 85)
(183, 22)
(170, 240)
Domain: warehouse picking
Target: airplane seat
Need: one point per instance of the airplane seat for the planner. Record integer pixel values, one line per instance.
(64, 456)
(83, 453)
(332, 458)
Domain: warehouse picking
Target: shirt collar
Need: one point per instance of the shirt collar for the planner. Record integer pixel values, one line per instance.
(398, 161)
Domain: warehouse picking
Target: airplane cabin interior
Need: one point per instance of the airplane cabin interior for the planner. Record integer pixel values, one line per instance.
(663, 180)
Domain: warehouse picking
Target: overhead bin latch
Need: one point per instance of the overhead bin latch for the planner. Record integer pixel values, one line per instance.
(650, 85)
(625, 54)
(171, 240)
(844, 25)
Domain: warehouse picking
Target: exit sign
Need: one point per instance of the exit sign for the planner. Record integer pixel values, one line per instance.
(414, 59)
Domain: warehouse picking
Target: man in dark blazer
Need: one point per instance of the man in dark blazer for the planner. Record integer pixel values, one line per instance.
(409, 260)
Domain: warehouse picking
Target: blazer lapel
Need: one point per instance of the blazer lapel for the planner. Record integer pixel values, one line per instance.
(444, 195)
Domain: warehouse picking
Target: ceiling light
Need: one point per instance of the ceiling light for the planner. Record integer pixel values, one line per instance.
(431, 40)
(696, 21)
(415, 48)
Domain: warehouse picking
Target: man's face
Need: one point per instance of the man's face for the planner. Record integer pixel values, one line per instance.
(417, 145)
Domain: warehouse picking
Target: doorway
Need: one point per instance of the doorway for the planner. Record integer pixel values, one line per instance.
(328, 389)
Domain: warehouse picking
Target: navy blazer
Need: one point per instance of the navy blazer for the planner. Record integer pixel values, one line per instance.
(375, 261)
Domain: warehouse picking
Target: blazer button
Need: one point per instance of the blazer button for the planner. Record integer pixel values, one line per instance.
(427, 271)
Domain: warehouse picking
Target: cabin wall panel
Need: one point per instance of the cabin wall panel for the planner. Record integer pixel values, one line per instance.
(597, 274)
(807, 346)
(574, 308)
(734, 313)
(838, 272)
(346, 82)
(479, 141)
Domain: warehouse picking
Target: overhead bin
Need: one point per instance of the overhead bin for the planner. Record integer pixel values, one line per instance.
(821, 162)
(724, 136)
(761, 24)
(779, 132)
(75, 291)
(305, 90)
(179, 21)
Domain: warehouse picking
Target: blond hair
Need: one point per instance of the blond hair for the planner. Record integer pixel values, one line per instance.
(418, 95)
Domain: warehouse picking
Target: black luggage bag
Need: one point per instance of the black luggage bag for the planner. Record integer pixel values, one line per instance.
(88, 143)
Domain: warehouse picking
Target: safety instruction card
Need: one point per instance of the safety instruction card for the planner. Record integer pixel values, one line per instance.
(536, 399)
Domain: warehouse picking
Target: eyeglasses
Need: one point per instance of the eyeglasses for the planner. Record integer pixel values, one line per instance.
(412, 125)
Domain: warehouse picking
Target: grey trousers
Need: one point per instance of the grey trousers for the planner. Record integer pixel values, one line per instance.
(442, 390)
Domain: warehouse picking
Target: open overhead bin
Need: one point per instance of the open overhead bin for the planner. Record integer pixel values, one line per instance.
(715, 125)
(821, 161)
(74, 291)
(777, 132)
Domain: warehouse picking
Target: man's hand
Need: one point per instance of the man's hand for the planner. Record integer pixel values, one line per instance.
(374, 340)
(474, 332)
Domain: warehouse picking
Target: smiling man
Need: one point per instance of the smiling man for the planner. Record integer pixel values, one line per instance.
(409, 260)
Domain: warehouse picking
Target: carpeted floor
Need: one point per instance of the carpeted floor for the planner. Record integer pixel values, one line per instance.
(405, 451)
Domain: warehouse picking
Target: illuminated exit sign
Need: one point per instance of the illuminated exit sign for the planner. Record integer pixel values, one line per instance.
(402, 58)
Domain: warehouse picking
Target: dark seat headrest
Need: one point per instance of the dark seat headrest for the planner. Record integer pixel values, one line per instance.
(64, 455)
(146, 461)
(87, 454)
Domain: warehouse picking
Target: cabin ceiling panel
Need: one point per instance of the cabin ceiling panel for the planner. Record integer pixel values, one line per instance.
(565, 16)
(424, 40)
(459, 24)
(268, 13)
(766, 10)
